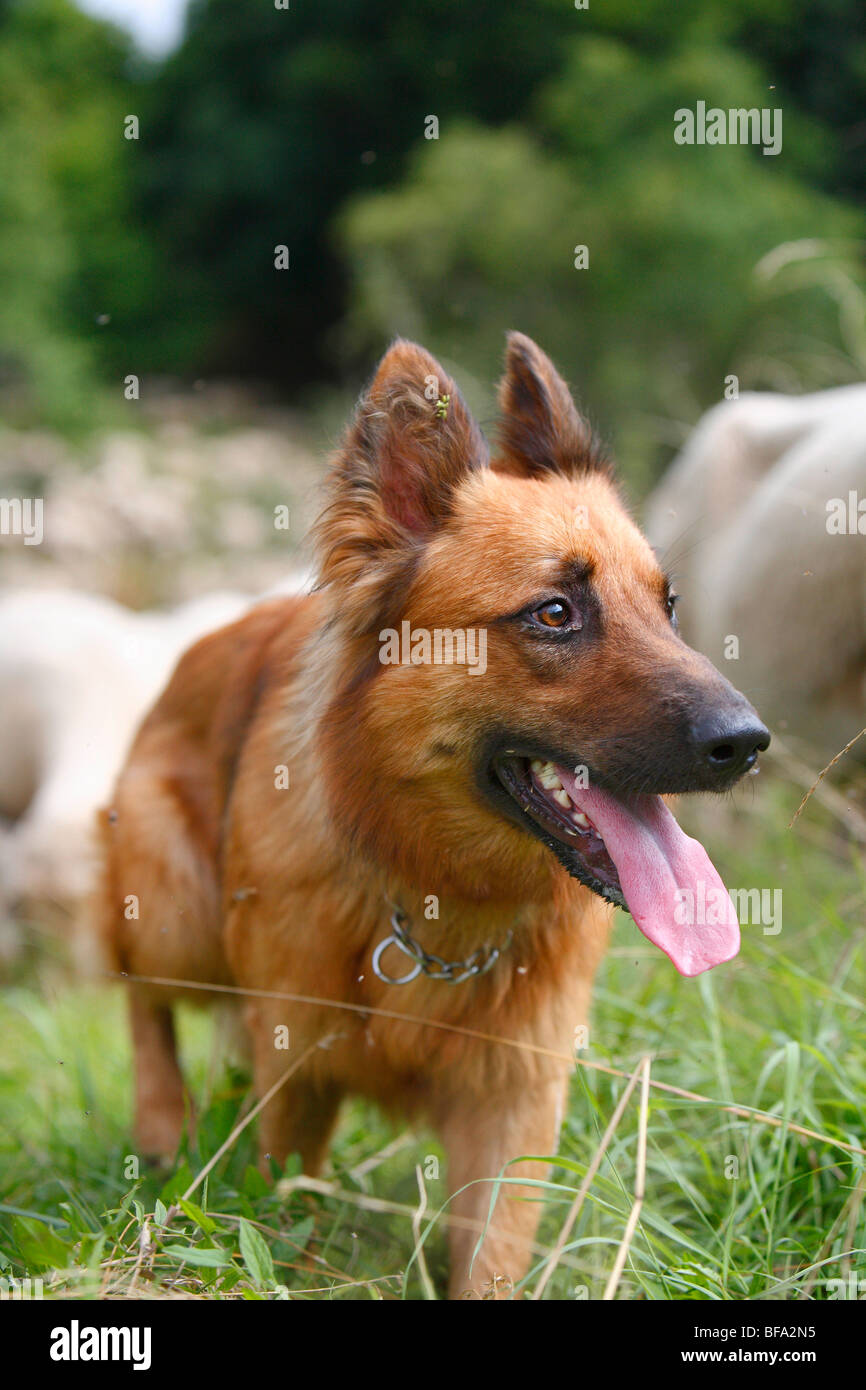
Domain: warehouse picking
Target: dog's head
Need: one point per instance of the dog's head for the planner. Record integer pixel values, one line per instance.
(511, 685)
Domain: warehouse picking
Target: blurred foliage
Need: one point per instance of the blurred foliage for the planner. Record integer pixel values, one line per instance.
(482, 233)
(305, 127)
(70, 255)
(265, 120)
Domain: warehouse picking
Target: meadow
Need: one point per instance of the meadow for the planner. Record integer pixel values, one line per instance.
(752, 1188)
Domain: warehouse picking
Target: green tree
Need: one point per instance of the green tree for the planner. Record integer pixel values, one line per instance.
(481, 235)
(67, 251)
(263, 123)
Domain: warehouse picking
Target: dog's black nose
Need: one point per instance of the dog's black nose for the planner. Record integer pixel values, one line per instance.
(728, 744)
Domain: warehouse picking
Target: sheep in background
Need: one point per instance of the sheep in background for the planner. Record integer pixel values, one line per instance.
(754, 519)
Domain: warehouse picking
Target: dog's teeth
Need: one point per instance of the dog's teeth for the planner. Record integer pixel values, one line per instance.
(549, 778)
(561, 798)
(580, 819)
(537, 765)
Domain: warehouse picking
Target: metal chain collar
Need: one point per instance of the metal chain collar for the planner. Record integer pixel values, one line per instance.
(454, 972)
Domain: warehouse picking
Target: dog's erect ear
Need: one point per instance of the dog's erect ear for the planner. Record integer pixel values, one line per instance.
(411, 443)
(541, 431)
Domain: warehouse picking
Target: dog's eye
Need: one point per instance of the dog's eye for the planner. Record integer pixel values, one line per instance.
(556, 613)
(671, 605)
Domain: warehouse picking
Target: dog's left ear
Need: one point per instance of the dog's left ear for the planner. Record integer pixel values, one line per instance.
(541, 431)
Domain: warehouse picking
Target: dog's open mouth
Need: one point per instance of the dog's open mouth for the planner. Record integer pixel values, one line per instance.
(541, 794)
(630, 851)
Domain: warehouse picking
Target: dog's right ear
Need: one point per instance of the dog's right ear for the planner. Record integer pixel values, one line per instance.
(410, 445)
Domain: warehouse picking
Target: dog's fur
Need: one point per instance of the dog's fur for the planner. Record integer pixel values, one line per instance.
(277, 891)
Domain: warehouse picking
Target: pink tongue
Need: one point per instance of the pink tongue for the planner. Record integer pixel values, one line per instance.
(673, 892)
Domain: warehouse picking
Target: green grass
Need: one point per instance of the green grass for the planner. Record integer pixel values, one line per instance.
(734, 1208)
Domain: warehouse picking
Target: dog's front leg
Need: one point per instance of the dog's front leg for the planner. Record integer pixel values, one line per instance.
(480, 1141)
(301, 1114)
(160, 1101)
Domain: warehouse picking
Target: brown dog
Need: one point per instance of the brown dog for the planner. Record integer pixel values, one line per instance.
(496, 803)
